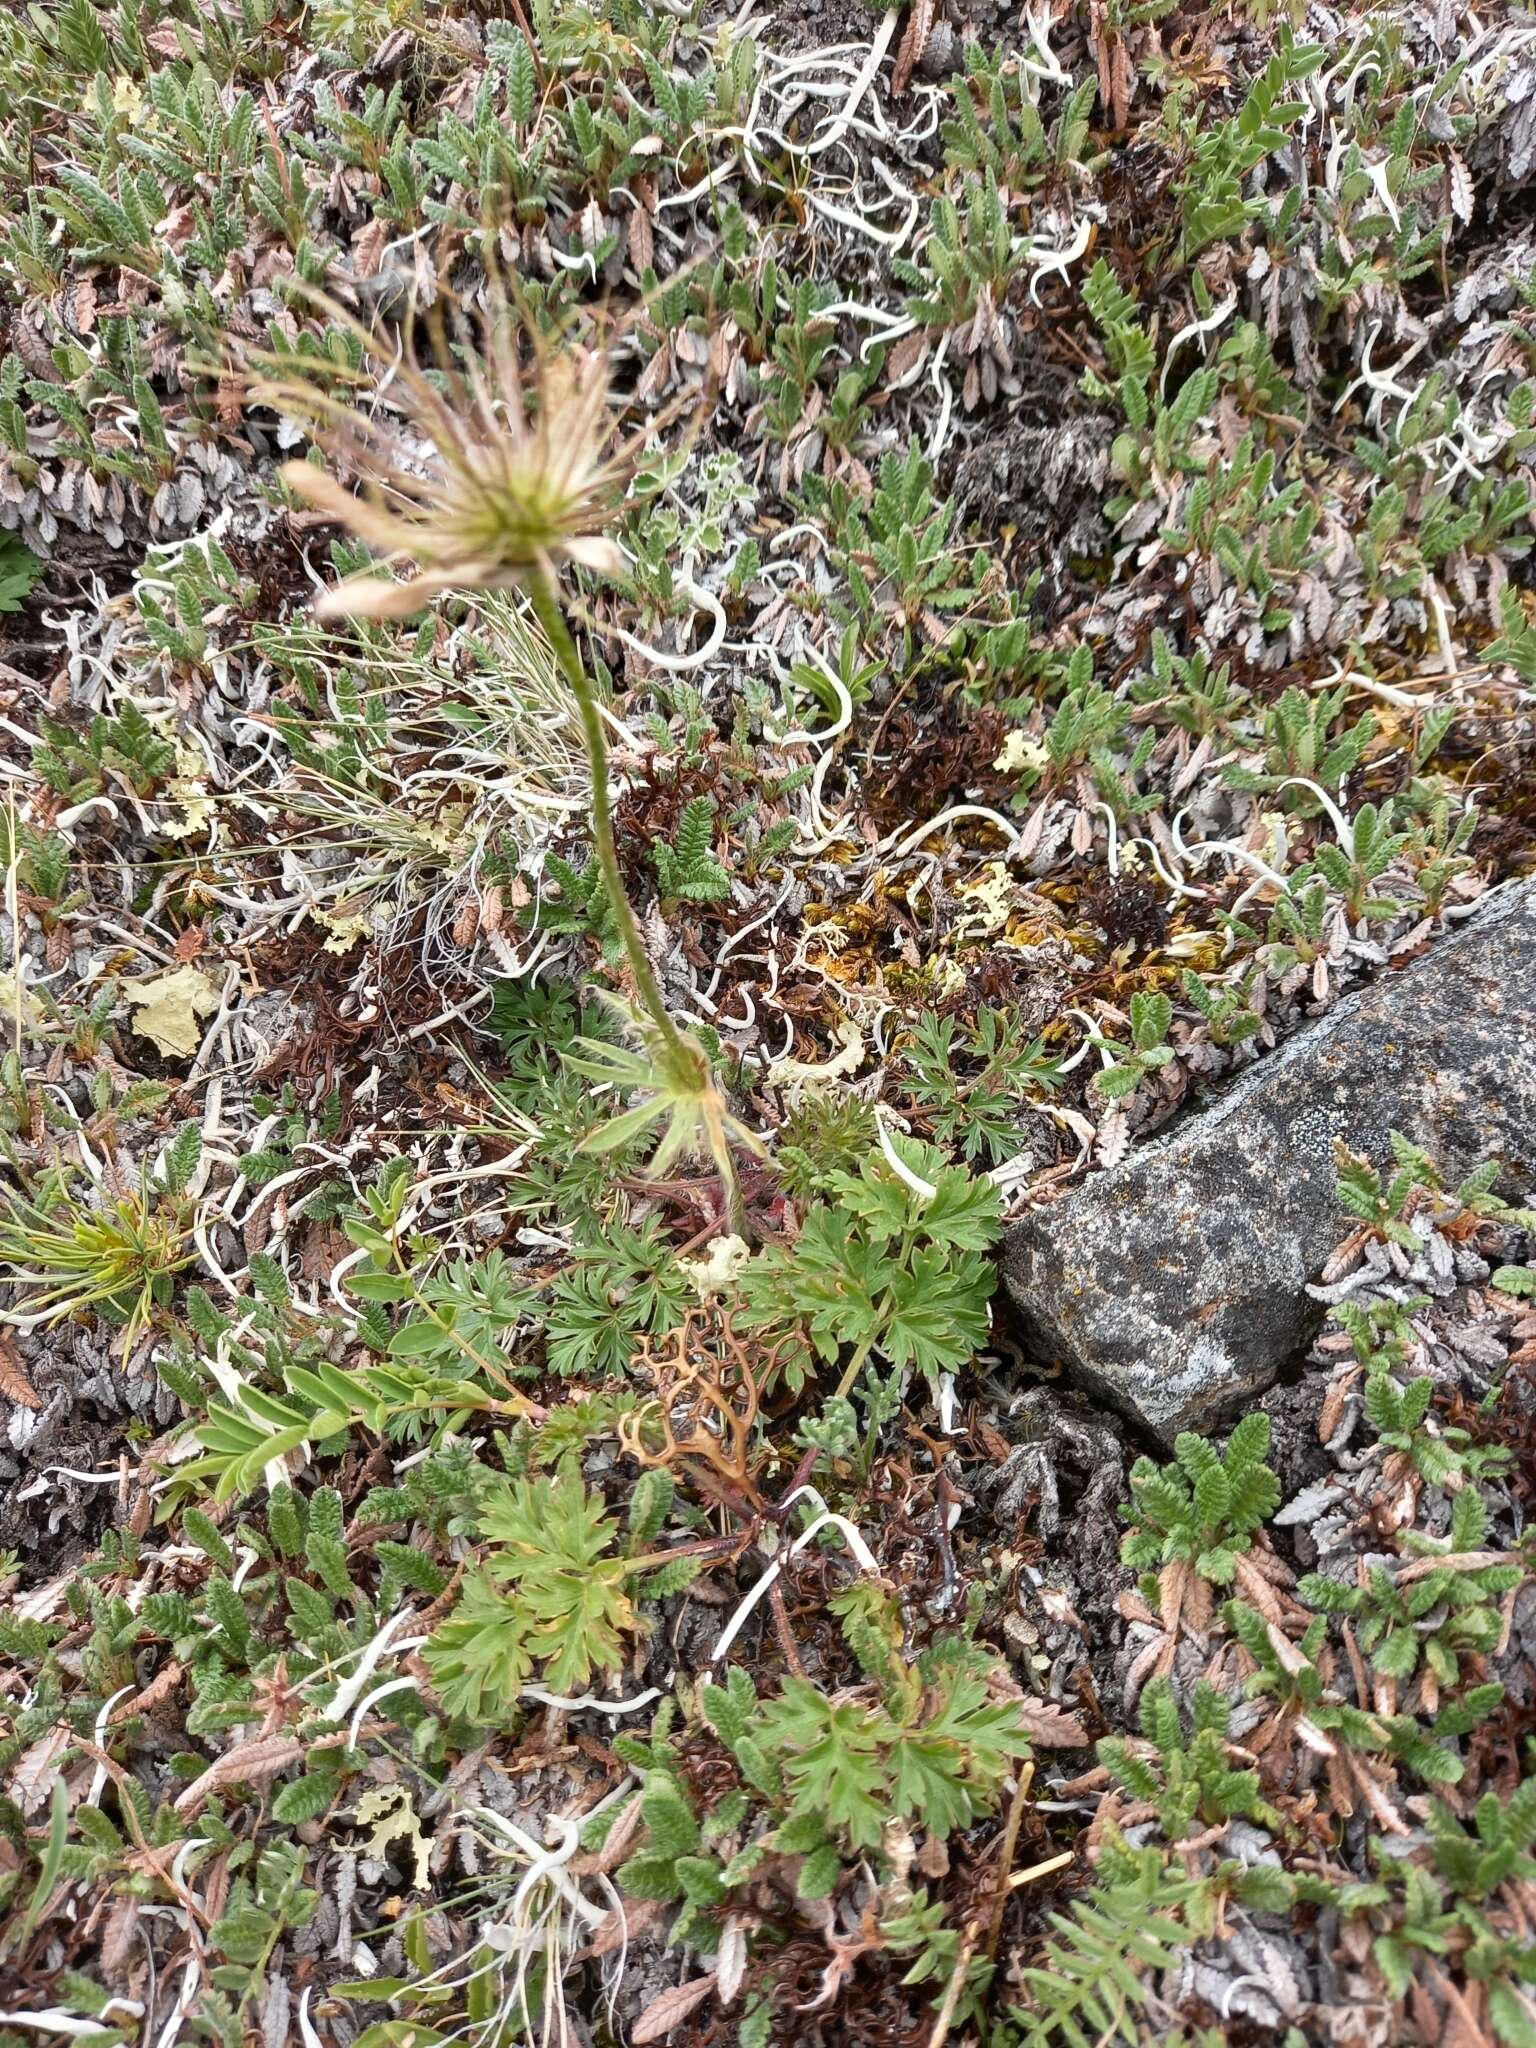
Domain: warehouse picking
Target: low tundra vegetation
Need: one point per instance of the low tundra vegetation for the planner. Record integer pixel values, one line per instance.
(658, 664)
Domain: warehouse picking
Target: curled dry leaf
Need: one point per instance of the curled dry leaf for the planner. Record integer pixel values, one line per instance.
(910, 53)
(36, 1768)
(732, 1968)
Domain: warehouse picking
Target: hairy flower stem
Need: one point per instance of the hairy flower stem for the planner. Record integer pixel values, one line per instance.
(681, 1058)
(546, 608)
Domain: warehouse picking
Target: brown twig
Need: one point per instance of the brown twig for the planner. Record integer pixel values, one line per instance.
(783, 1631)
(1005, 1858)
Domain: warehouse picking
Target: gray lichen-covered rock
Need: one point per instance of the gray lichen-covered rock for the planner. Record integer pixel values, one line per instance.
(1174, 1285)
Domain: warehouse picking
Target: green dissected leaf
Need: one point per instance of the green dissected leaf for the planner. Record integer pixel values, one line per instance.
(19, 571)
(1151, 1015)
(936, 1311)
(1397, 1654)
(1513, 2013)
(1103, 1957)
(820, 1874)
(800, 1834)
(700, 1878)
(886, 1266)
(650, 1503)
(651, 1876)
(1203, 1508)
(838, 1283)
(1117, 1081)
(832, 1758)
(689, 870)
(553, 1597)
(965, 1213)
(946, 1772)
(479, 1657)
(729, 1708)
(981, 1110)
(1213, 1497)
(669, 1816)
(624, 1284)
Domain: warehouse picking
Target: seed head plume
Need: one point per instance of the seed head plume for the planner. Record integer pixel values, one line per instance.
(483, 474)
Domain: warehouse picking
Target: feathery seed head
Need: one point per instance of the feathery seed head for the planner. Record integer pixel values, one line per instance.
(482, 478)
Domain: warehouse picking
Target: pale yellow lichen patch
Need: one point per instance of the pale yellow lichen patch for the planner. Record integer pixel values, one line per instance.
(170, 1007)
(187, 792)
(719, 1269)
(346, 929)
(1021, 755)
(992, 895)
(794, 1073)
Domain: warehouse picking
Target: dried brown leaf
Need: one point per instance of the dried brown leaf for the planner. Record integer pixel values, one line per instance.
(642, 240)
(368, 249)
(248, 1763)
(905, 355)
(913, 44)
(117, 1941)
(1052, 1726)
(620, 1928)
(159, 1688)
(14, 1384)
(616, 1845)
(670, 2009)
(35, 1769)
(1335, 1401)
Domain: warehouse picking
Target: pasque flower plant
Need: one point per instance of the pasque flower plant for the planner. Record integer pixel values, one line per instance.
(485, 484)
(486, 477)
